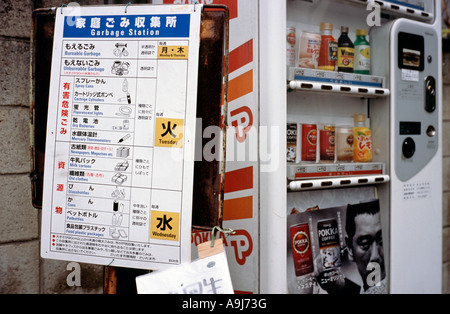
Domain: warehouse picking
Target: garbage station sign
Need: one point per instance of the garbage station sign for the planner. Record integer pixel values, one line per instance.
(119, 150)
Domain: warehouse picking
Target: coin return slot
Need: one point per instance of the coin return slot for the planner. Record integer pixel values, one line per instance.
(327, 87)
(304, 85)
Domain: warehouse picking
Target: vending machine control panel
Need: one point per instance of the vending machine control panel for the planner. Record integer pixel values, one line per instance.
(413, 70)
(413, 73)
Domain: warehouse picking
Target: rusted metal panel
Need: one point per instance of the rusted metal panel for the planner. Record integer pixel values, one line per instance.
(41, 60)
(209, 175)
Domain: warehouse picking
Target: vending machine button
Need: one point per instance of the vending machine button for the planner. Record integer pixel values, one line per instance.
(409, 147)
(431, 131)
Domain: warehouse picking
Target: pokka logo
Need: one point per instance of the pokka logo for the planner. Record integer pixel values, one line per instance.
(240, 241)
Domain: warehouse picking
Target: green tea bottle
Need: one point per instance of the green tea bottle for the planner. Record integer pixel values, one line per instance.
(362, 53)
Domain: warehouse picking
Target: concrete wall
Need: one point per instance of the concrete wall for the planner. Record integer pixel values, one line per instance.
(446, 175)
(21, 268)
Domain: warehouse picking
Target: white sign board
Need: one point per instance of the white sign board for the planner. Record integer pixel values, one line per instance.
(120, 136)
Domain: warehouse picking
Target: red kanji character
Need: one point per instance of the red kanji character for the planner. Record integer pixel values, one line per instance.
(60, 187)
(58, 210)
(65, 104)
(61, 165)
(64, 113)
(66, 86)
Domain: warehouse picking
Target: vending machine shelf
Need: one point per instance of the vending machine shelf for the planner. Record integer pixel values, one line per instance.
(410, 9)
(368, 86)
(302, 171)
(337, 182)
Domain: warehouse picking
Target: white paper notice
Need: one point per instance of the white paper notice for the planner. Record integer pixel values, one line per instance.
(209, 275)
(410, 75)
(119, 153)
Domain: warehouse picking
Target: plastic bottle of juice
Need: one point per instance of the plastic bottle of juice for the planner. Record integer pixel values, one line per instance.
(362, 53)
(362, 140)
(328, 48)
(346, 52)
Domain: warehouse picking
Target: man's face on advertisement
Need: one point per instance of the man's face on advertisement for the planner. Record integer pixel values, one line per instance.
(367, 243)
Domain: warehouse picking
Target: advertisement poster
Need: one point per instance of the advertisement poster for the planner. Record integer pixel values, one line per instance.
(120, 137)
(336, 250)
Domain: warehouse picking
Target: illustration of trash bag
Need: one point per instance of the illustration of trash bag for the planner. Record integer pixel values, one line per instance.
(120, 68)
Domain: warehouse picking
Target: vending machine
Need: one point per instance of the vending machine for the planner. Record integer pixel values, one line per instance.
(355, 205)
(344, 194)
(331, 167)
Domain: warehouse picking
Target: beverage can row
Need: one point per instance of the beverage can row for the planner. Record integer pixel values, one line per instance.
(307, 143)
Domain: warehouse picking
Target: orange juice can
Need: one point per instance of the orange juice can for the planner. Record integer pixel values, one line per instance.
(362, 145)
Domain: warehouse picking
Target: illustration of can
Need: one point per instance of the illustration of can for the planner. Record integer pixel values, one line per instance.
(290, 46)
(301, 249)
(330, 250)
(327, 143)
(291, 140)
(309, 142)
(344, 143)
